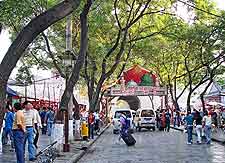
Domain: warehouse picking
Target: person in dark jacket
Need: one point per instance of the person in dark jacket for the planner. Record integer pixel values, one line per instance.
(198, 122)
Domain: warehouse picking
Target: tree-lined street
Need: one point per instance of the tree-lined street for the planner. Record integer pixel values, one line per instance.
(133, 64)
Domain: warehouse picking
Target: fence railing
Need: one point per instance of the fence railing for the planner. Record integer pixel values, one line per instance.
(48, 154)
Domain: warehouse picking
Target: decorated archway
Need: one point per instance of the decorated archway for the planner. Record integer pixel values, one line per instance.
(133, 101)
(136, 81)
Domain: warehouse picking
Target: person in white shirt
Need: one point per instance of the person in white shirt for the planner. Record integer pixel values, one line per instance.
(97, 120)
(207, 125)
(37, 125)
(30, 119)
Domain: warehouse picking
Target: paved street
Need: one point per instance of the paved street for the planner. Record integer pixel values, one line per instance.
(153, 147)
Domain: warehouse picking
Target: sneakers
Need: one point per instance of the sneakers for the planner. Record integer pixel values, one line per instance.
(188, 143)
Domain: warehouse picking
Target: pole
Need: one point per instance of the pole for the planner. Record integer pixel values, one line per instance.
(35, 93)
(66, 145)
(49, 98)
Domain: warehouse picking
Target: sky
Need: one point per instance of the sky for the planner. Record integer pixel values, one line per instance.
(5, 41)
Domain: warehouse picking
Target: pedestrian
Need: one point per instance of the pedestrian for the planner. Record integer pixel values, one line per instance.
(19, 129)
(124, 125)
(37, 126)
(168, 117)
(49, 120)
(174, 119)
(207, 125)
(189, 125)
(198, 123)
(163, 120)
(91, 121)
(42, 115)
(30, 119)
(97, 121)
(7, 130)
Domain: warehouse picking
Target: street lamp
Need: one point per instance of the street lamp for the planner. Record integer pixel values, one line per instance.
(68, 61)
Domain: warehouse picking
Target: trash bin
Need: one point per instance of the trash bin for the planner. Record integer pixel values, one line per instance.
(84, 130)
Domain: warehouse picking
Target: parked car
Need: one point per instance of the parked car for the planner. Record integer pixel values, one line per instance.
(145, 118)
(116, 119)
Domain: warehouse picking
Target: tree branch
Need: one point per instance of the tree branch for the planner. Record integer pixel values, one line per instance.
(52, 56)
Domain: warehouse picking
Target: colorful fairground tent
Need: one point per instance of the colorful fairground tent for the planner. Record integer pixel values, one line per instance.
(136, 81)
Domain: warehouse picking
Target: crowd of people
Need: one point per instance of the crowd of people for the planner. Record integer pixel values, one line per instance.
(94, 120)
(22, 125)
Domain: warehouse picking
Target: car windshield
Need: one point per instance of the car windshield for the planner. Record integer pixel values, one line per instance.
(127, 113)
(147, 113)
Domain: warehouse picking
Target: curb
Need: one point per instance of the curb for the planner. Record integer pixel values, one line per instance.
(216, 140)
(79, 156)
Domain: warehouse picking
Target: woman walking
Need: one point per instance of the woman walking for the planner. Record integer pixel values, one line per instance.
(207, 125)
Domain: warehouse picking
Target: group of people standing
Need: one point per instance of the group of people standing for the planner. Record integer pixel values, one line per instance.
(22, 124)
(163, 120)
(93, 119)
(202, 123)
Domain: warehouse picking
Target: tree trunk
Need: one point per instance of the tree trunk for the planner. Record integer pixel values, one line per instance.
(151, 99)
(189, 101)
(203, 93)
(27, 35)
(80, 60)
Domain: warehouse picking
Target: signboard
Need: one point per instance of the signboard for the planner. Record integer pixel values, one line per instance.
(138, 91)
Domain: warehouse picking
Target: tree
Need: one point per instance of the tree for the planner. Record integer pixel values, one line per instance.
(37, 25)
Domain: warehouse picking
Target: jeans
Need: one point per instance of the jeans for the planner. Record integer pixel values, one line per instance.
(19, 138)
(199, 133)
(91, 131)
(7, 132)
(208, 134)
(189, 132)
(30, 137)
(175, 122)
(49, 127)
(167, 126)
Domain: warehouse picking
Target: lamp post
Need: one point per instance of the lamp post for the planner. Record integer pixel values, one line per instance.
(68, 62)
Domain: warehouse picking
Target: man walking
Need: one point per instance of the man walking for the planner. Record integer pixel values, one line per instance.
(19, 129)
(49, 119)
(91, 121)
(37, 125)
(189, 123)
(168, 116)
(42, 115)
(30, 119)
(7, 130)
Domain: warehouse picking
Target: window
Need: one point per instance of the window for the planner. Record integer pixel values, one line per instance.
(147, 113)
(118, 113)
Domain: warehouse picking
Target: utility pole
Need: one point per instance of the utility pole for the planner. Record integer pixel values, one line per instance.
(66, 145)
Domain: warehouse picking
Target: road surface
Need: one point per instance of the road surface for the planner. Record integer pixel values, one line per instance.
(153, 147)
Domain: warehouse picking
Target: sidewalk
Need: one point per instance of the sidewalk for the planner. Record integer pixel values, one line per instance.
(74, 155)
(217, 133)
(75, 149)
(8, 156)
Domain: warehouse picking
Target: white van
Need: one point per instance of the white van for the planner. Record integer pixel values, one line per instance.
(116, 119)
(145, 118)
